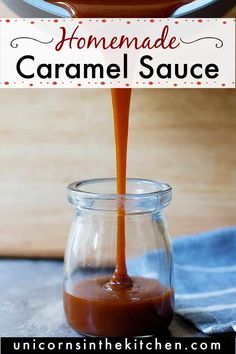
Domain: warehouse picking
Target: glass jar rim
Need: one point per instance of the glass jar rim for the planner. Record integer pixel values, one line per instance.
(159, 188)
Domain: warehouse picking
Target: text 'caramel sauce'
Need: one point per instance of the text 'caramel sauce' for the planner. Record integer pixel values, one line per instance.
(119, 306)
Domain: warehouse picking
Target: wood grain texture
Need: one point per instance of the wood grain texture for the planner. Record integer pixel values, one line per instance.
(49, 138)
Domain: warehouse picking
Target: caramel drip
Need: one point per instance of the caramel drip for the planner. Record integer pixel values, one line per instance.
(121, 101)
(121, 106)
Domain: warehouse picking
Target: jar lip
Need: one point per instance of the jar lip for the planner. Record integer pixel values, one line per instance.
(159, 188)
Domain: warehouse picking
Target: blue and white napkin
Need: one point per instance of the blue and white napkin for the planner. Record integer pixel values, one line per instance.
(205, 280)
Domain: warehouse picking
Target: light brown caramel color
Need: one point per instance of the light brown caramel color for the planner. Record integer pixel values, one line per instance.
(140, 310)
(104, 307)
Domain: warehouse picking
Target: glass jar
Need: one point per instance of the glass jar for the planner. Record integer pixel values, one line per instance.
(95, 304)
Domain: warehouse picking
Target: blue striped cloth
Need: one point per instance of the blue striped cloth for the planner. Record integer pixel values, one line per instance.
(205, 280)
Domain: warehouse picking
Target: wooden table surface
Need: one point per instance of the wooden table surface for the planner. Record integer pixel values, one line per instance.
(49, 138)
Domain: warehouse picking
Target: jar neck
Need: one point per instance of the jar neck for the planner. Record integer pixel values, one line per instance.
(144, 196)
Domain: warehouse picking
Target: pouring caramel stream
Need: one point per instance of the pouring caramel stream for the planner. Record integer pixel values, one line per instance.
(134, 306)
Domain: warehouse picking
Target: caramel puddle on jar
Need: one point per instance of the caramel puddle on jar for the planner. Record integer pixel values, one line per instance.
(120, 305)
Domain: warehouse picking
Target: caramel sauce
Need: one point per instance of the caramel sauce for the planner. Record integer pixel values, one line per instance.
(121, 105)
(120, 8)
(119, 306)
(136, 311)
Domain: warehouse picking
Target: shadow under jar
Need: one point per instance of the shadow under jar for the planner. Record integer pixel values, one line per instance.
(94, 303)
